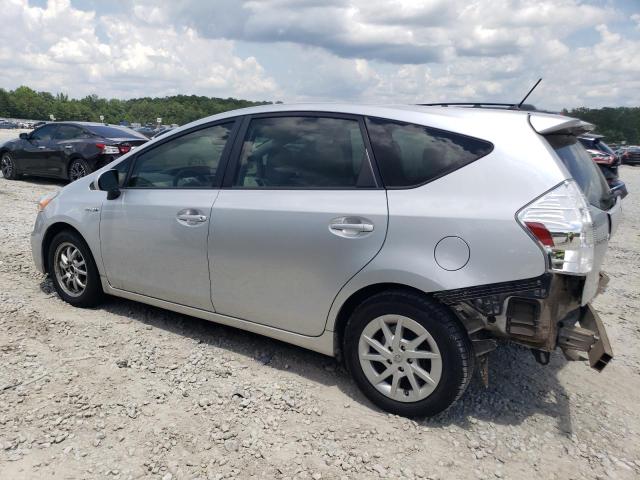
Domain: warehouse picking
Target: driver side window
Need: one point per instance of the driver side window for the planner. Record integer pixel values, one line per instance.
(188, 161)
(43, 134)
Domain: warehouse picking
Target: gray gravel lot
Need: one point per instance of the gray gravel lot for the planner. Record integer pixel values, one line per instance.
(131, 391)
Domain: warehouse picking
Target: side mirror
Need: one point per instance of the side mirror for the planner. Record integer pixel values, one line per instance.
(24, 136)
(108, 182)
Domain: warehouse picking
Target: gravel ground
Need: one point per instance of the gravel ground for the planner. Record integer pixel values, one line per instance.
(131, 391)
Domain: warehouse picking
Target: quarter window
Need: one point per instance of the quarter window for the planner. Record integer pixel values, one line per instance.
(409, 155)
(123, 168)
(301, 152)
(188, 161)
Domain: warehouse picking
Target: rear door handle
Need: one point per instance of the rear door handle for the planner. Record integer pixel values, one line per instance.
(356, 227)
(350, 227)
(191, 216)
(41, 147)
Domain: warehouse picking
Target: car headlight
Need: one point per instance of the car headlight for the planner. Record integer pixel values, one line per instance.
(44, 201)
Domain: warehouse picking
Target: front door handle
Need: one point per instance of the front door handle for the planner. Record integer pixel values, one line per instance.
(191, 216)
(41, 147)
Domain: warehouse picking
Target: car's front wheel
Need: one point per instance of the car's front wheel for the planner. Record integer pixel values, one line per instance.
(73, 270)
(408, 354)
(8, 166)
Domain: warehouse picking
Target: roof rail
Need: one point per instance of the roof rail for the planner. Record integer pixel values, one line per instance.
(507, 106)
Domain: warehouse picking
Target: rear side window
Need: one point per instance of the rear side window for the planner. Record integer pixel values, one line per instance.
(301, 152)
(410, 155)
(583, 170)
(69, 132)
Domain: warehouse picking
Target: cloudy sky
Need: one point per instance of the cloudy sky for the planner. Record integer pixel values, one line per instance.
(373, 51)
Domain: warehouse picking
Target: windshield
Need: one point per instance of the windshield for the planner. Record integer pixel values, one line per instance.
(107, 131)
(583, 170)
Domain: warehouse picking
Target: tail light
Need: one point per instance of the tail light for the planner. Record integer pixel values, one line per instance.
(561, 222)
(124, 149)
(108, 149)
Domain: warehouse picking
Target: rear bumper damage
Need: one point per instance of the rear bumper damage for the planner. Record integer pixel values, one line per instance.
(590, 337)
(543, 313)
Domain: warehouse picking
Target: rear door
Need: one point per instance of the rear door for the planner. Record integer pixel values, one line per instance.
(154, 236)
(604, 207)
(66, 142)
(300, 214)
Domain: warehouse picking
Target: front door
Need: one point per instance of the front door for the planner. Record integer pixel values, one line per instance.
(301, 216)
(154, 236)
(37, 149)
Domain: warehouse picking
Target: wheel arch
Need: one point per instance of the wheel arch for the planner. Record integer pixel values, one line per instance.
(355, 299)
(51, 232)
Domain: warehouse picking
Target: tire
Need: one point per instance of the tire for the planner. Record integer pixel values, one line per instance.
(78, 168)
(71, 246)
(441, 349)
(8, 166)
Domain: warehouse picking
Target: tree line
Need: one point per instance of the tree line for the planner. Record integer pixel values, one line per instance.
(26, 103)
(617, 124)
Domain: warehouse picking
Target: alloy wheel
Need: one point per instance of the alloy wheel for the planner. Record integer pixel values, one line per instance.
(70, 269)
(400, 358)
(76, 171)
(6, 165)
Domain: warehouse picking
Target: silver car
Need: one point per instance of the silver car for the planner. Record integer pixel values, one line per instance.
(405, 240)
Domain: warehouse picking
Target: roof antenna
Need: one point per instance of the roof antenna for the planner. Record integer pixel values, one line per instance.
(527, 95)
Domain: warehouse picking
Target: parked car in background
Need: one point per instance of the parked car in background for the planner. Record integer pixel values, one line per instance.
(161, 132)
(360, 232)
(607, 160)
(68, 150)
(148, 132)
(8, 124)
(631, 155)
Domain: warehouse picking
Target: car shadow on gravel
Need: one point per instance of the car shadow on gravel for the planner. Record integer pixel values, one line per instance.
(519, 388)
(43, 181)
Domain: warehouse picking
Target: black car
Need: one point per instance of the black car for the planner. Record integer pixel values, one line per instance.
(68, 150)
(631, 155)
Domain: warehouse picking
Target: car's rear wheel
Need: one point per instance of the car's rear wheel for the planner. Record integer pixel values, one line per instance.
(408, 354)
(73, 270)
(8, 166)
(78, 168)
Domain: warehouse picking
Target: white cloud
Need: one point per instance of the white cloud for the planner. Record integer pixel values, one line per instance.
(62, 48)
(360, 50)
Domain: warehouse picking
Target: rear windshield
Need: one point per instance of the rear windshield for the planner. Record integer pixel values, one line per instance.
(583, 170)
(113, 132)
